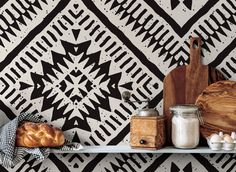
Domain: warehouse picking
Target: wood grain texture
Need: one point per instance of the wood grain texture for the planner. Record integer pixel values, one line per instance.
(185, 83)
(149, 129)
(218, 108)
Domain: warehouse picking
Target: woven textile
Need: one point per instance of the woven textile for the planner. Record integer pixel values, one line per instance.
(11, 155)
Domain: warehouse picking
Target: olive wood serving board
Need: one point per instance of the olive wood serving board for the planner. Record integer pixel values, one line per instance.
(185, 83)
(218, 108)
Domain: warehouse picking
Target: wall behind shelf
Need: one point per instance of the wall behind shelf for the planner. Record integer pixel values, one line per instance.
(70, 61)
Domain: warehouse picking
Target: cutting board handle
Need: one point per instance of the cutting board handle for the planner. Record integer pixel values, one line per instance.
(195, 51)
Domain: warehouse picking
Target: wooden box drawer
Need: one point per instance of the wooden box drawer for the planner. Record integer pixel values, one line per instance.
(147, 132)
(143, 141)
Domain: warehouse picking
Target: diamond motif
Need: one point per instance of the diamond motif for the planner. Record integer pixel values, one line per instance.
(76, 85)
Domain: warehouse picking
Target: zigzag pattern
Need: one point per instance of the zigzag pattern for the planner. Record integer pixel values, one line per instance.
(146, 24)
(215, 33)
(29, 10)
(30, 164)
(146, 31)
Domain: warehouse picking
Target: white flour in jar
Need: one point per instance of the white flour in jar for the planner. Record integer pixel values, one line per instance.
(185, 132)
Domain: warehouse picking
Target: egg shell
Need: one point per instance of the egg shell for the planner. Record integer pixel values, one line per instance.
(228, 138)
(221, 134)
(233, 135)
(215, 138)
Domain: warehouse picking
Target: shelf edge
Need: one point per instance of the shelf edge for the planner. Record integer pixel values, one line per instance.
(128, 149)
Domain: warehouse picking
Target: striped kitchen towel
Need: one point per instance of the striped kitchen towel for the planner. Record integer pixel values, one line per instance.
(11, 155)
(68, 146)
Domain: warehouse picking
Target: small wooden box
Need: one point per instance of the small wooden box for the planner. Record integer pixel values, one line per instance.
(147, 132)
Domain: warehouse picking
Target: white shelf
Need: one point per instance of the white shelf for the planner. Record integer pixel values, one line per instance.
(128, 149)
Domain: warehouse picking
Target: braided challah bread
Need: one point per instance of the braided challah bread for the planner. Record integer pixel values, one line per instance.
(32, 135)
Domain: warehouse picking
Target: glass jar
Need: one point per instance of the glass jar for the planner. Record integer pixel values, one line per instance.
(185, 126)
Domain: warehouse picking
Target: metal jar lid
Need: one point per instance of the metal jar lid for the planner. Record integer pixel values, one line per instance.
(186, 110)
(149, 112)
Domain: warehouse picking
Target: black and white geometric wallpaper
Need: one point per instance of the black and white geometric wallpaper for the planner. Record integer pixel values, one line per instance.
(70, 60)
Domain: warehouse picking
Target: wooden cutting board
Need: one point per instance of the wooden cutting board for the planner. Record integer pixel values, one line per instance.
(185, 83)
(218, 108)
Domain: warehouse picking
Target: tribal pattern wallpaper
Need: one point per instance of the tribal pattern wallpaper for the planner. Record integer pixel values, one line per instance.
(70, 61)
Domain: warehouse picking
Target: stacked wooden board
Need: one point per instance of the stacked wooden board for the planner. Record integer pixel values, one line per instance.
(185, 83)
(218, 108)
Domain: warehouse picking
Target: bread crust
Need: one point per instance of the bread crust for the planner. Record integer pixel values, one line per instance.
(32, 135)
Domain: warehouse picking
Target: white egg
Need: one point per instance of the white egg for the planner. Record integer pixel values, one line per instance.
(215, 138)
(233, 135)
(221, 134)
(228, 138)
